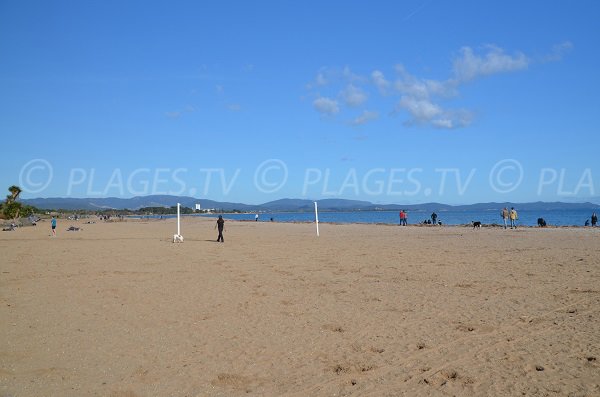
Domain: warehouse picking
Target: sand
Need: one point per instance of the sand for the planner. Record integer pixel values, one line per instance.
(117, 309)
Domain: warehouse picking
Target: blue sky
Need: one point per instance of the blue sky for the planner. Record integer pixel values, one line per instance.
(391, 102)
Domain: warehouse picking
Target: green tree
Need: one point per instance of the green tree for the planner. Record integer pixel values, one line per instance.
(15, 192)
(12, 207)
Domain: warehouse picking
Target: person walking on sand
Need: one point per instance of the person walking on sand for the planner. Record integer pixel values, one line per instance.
(513, 218)
(594, 219)
(53, 225)
(221, 225)
(505, 216)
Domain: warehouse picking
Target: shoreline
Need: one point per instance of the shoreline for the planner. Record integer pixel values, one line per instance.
(410, 225)
(95, 220)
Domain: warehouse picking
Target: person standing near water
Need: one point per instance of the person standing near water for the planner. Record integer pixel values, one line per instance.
(402, 217)
(405, 220)
(53, 225)
(505, 216)
(256, 218)
(513, 218)
(221, 225)
(594, 219)
(434, 218)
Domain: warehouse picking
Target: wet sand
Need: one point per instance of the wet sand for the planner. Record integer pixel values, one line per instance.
(118, 310)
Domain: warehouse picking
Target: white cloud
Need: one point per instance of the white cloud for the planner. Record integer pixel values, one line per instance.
(352, 77)
(469, 65)
(447, 88)
(173, 115)
(558, 51)
(353, 96)
(365, 117)
(413, 88)
(443, 123)
(326, 106)
(178, 113)
(321, 79)
(423, 99)
(234, 107)
(421, 109)
(380, 82)
(329, 76)
(453, 119)
(407, 84)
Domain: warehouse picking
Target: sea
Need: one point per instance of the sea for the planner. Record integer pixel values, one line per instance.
(526, 218)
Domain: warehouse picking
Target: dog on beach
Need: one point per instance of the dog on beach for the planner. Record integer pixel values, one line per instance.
(476, 224)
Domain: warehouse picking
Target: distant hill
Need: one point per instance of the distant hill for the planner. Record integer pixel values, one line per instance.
(133, 203)
(308, 205)
(536, 206)
(287, 204)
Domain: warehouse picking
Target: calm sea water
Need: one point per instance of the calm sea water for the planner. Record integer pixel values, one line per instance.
(527, 218)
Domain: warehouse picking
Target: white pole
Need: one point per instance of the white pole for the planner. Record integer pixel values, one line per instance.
(178, 225)
(177, 238)
(317, 218)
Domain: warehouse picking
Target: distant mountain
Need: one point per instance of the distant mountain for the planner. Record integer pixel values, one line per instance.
(536, 206)
(135, 203)
(413, 207)
(308, 205)
(287, 204)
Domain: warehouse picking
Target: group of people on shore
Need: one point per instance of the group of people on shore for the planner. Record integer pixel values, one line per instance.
(509, 215)
(403, 218)
(432, 221)
(594, 220)
(509, 218)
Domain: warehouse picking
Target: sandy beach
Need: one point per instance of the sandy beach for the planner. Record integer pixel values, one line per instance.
(118, 310)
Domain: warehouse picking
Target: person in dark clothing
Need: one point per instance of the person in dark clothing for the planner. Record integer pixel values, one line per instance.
(221, 226)
(434, 218)
(594, 219)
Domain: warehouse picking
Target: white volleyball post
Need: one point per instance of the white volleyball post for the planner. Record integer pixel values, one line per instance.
(178, 238)
(317, 218)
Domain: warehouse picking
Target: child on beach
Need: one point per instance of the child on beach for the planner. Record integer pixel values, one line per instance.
(221, 225)
(53, 225)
